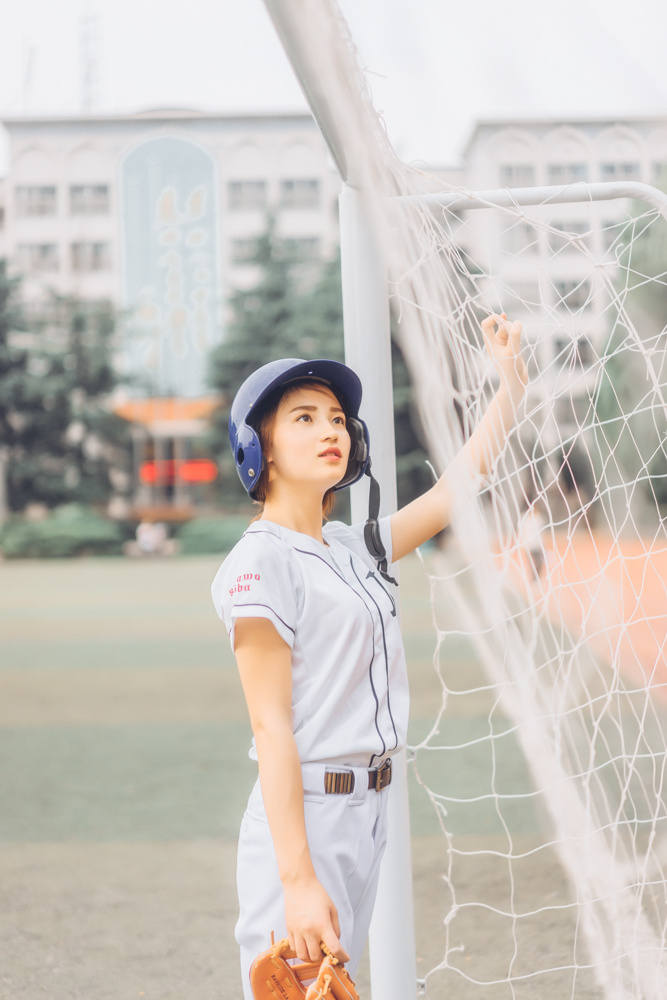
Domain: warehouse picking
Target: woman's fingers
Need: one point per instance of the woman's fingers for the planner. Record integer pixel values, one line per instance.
(332, 939)
(309, 949)
(507, 334)
(333, 943)
(488, 325)
(490, 321)
(306, 947)
(313, 949)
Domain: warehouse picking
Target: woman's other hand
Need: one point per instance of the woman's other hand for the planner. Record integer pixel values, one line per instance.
(503, 342)
(311, 918)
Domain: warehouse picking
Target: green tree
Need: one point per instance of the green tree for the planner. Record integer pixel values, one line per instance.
(17, 405)
(643, 259)
(62, 441)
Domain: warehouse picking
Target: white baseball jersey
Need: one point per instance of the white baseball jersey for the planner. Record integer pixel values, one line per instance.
(332, 607)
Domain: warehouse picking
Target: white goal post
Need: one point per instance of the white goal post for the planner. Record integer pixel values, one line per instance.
(565, 194)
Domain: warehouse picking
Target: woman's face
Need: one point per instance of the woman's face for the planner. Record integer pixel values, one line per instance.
(310, 444)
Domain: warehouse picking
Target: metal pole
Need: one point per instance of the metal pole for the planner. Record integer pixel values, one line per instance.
(568, 194)
(288, 20)
(368, 352)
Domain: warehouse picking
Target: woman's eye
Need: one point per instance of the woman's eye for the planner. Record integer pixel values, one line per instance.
(304, 416)
(339, 420)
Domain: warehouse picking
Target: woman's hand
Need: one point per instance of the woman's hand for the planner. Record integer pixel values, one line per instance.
(504, 346)
(311, 917)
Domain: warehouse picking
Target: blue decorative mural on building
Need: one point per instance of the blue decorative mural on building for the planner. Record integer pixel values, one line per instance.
(170, 266)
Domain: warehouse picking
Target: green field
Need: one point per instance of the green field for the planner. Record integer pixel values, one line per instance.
(123, 749)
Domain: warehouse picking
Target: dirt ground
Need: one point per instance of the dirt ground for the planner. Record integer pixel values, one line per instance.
(123, 755)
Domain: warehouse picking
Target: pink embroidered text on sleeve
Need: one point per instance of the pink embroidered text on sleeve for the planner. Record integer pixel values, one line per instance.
(243, 583)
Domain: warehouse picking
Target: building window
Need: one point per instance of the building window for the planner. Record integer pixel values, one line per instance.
(243, 250)
(573, 411)
(620, 171)
(573, 295)
(246, 194)
(517, 175)
(660, 173)
(567, 173)
(89, 199)
(521, 295)
(569, 227)
(2, 217)
(91, 256)
(301, 193)
(577, 353)
(35, 200)
(38, 256)
(521, 238)
(302, 247)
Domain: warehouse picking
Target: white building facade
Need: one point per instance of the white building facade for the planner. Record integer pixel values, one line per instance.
(156, 213)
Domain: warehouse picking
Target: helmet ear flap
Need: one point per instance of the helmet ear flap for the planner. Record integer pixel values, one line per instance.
(248, 456)
(359, 435)
(359, 452)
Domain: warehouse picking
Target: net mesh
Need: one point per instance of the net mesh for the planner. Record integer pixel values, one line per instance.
(547, 753)
(554, 573)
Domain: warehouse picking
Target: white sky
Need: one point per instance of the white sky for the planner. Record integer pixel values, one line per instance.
(434, 65)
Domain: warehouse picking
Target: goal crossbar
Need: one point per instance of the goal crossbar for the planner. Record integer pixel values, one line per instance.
(566, 194)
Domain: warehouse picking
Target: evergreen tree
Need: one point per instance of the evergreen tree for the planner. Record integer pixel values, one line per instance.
(60, 439)
(261, 328)
(17, 404)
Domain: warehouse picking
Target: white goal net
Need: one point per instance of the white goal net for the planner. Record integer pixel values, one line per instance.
(553, 578)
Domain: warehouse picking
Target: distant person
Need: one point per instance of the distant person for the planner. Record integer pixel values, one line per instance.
(151, 538)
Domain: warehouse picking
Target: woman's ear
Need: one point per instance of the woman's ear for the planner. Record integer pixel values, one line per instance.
(269, 468)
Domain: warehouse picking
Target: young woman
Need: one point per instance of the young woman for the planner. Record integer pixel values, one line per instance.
(312, 621)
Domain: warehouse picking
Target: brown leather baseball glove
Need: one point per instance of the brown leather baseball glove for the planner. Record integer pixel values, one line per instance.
(273, 978)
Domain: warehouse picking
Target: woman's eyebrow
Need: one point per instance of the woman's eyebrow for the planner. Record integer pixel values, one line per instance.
(303, 406)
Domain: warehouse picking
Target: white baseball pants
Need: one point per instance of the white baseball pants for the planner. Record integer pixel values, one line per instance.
(346, 835)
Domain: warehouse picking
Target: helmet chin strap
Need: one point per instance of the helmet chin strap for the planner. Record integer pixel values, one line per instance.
(372, 535)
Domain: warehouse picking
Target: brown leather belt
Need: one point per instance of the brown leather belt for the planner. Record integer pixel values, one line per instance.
(342, 782)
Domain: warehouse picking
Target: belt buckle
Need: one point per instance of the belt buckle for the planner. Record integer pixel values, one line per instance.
(383, 776)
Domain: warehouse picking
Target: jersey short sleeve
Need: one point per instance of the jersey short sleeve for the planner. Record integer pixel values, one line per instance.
(256, 581)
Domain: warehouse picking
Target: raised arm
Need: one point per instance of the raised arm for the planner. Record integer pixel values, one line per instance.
(420, 520)
(265, 665)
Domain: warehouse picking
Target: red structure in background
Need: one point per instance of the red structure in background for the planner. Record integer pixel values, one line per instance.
(162, 472)
(169, 484)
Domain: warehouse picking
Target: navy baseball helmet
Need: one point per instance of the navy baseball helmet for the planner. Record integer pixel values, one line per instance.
(244, 439)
